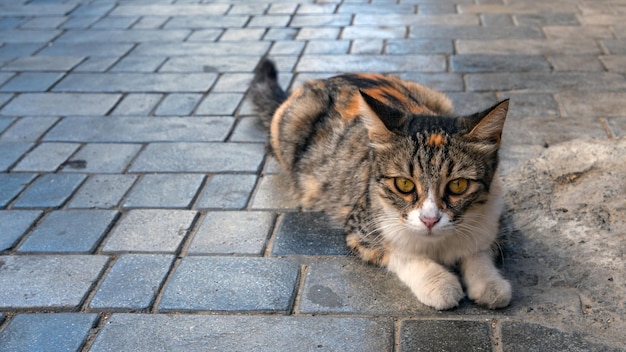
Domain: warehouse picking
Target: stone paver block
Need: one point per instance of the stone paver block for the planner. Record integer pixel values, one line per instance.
(5, 121)
(11, 152)
(47, 157)
(15, 223)
(205, 35)
(445, 335)
(270, 194)
(170, 49)
(614, 63)
(150, 230)
(323, 20)
(97, 64)
(199, 22)
(543, 19)
(50, 190)
(371, 63)
(36, 9)
(375, 32)
(121, 129)
(433, 21)
(138, 64)
(47, 332)
(31, 82)
(210, 64)
(69, 231)
(12, 184)
(43, 63)
(540, 130)
(232, 232)
(170, 10)
(498, 63)
(143, 333)
(530, 105)
(136, 82)
(533, 82)
(27, 35)
(137, 104)
(527, 46)
(233, 82)
(418, 46)
(249, 130)
(529, 337)
(220, 104)
(140, 276)
(122, 36)
(231, 284)
(199, 157)
(102, 158)
(617, 125)
(576, 63)
(28, 129)
(50, 281)
(446, 82)
(86, 49)
(227, 191)
(310, 33)
(60, 104)
(327, 47)
(102, 191)
(178, 104)
(164, 191)
(351, 286)
(114, 22)
(593, 103)
(308, 233)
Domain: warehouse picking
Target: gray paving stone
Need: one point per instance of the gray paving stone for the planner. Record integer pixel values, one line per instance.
(27, 35)
(269, 21)
(93, 9)
(43, 63)
(86, 49)
(496, 19)
(540, 130)
(201, 49)
(242, 34)
(617, 125)
(374, 32)
(376, 8)
(478, 33)
(205, 35)
(529, 105)
(220, 104)
(533, 82)
(232, 232)
(270, 194)
(308, 233)
(227, 191)
(143, 332)
(327, 47)
(231, 284)
(12, 184)
(122, 36)
(316, 8)
(528, 46)
(102, 158)
(10, 22)
(199, 157)
(80, 22)
(350, 286)
(210, 64)
(115, 22)
(97, 64)
(48, 22)
(46, 157)
(178, 104)
(28, 129)
(164, 191)
(151, 22)
(137, 130)
(136, 82)
(35, 9)
(371, 63)
(277, 34)
(248, 130)
(137, 104)
(140, 276)
(50, 190)
(135, 64)
(77, 231)
(47, 281)
(447, 82)
(170, 10)
(31, 82)
(593, 103)
(614, 63)
(367, 46)
(11, 152)
(282, 8)
(418, 46)
(15, 222)
(49, 332)
(4, 97)
(233, 82)
(498, 63)
(102, 191)
(309, 33)
(150, 230)
(427, 20)
(5, 77)
(324, 20)
(445, 335)
(16, 50)
(60, 104)
(544, 19)
(198, 22)
(529, 337)
(576, 63)
(5, 121)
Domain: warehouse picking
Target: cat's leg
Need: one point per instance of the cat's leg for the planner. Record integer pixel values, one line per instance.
(485, 284)
(376, 255)
(430, 281)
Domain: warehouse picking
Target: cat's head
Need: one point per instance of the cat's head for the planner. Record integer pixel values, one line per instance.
(432, 172)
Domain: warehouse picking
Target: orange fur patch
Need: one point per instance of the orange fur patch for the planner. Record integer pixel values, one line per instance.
(436, 140)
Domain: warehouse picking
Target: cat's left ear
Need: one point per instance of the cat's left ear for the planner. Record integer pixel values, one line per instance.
(487, 126)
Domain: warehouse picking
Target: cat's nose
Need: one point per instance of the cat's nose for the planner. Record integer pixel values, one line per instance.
(429, 222)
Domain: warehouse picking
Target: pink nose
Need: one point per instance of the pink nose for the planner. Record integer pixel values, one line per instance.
(429, 222)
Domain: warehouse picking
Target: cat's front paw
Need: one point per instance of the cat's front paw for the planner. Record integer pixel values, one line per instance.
(441, 291)
(494, 293)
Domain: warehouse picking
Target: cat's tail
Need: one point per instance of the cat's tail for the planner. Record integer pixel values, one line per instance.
(265, 92)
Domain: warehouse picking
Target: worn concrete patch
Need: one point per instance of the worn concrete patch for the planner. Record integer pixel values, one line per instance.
(567, 208)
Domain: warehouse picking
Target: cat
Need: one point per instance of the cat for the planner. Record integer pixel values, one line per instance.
(414, 186)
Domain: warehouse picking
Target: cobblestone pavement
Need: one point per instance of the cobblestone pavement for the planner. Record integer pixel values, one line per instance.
(139, 211)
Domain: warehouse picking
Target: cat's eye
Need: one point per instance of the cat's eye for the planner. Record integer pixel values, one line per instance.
(404, 185)
(458, 186)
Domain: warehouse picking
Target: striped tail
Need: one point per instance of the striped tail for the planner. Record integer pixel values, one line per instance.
(265, 92)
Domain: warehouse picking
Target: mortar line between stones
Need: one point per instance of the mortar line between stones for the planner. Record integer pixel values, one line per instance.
(84, 305)
(496, 336)
(397, 334)
(269, 243)
(299, 290)
(196, 198)
(95, 331)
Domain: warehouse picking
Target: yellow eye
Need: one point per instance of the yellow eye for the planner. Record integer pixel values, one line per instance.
(404, 185)
(458, 186)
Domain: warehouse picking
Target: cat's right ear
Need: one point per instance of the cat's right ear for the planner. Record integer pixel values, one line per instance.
(380, 119)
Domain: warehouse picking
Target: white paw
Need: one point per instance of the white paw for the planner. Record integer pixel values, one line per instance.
(495, 293)
(440, 291)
